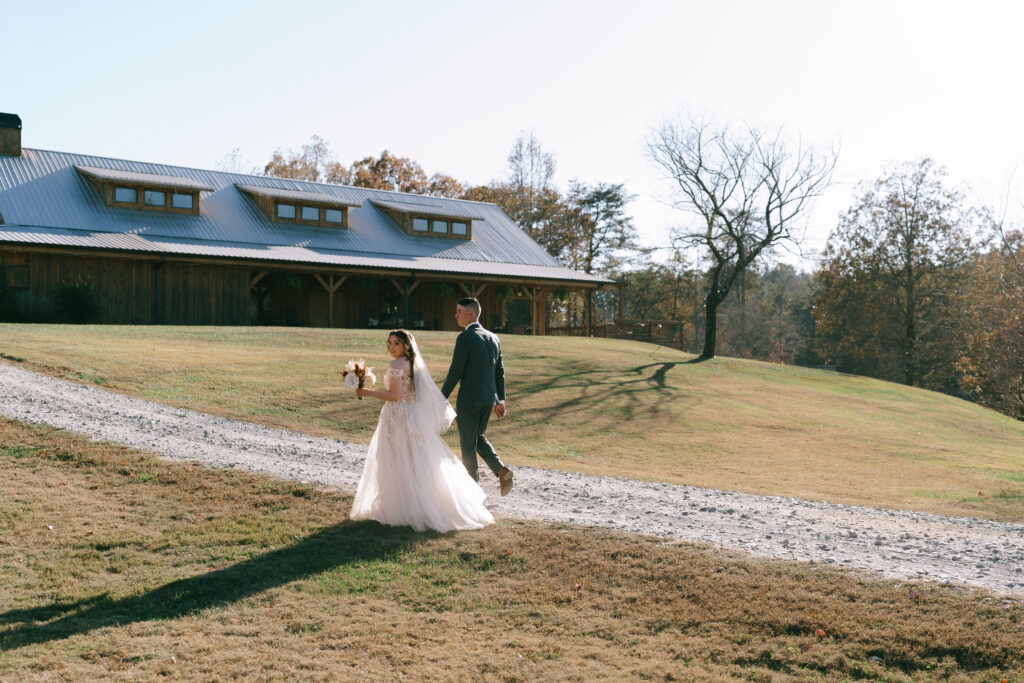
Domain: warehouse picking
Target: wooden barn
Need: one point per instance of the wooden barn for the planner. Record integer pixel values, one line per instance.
(113, 241)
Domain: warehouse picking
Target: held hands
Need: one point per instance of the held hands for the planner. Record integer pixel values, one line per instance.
(499, 410)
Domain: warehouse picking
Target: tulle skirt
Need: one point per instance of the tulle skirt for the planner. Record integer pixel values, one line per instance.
(412, 478)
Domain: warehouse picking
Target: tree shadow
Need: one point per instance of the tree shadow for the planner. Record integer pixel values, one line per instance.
(659, 375)
(335, 546)
(592, 386)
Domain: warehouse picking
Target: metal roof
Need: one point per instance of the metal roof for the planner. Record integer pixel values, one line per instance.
(275, 193)
(44, 200)
(427, 210)
(143, 178)
(297, 253)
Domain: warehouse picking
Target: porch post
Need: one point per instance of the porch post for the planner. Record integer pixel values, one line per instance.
(590, 309)
(331, 286)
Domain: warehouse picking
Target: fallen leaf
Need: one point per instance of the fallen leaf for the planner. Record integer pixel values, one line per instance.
(820, 633)
(577, 587)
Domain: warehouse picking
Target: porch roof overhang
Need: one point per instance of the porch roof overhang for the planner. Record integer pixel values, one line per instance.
(292, 255)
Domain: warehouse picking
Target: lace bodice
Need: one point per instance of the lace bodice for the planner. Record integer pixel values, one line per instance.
(402, 376)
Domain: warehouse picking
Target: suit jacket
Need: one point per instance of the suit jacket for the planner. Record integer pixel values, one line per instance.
(476, 362)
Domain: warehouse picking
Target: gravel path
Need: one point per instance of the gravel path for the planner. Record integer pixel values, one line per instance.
(896, 543)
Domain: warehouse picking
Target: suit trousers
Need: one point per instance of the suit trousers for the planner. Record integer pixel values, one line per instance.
(472, 421)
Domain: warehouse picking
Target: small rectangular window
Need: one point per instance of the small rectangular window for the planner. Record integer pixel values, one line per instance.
(126, 195)
(154, 198)
(286, 211)
(458, 228)
(419, 224)
(334, 216)
(311, 213)
(440, 227)
(181, 200)
(15, 277)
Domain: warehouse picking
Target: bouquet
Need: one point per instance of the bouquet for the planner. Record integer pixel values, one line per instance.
(358, 376)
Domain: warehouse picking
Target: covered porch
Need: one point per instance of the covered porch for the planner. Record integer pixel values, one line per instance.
(341, 298)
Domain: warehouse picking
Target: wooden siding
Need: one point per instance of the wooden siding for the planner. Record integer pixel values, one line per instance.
(126, 290)
(147, 289)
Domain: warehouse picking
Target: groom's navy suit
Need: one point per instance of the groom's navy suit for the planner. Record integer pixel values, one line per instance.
(476, 363)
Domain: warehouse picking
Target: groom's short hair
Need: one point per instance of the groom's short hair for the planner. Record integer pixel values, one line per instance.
(471, 304)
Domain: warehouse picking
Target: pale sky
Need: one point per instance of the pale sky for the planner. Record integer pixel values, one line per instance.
(451, 84)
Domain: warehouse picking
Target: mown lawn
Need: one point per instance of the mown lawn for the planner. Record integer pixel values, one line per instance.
(117, 565)
(590, 405)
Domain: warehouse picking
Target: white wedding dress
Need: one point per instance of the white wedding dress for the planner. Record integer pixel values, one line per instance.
(411, 476)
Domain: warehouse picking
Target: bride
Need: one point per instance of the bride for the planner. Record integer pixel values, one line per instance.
(411, 476)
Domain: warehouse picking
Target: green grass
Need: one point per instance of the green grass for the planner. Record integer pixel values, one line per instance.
(595, 406)
(201, 574)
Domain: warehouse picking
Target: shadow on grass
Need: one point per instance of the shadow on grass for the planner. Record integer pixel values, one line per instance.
(342, 544)
(590, 387)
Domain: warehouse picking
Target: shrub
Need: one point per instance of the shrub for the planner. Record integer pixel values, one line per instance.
(75, 302)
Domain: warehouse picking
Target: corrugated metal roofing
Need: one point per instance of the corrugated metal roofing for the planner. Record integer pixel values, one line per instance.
(147, 178)
(275, 193)
(44, 200)
(297, 253)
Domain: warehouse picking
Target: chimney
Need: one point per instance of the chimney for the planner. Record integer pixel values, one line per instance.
(10, 135)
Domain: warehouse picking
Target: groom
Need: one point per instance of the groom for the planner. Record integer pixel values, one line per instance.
(476, 362)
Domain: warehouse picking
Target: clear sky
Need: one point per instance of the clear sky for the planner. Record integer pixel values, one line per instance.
(451, 83)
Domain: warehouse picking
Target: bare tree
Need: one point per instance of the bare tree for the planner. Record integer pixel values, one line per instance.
(750, 191)
(531, 173)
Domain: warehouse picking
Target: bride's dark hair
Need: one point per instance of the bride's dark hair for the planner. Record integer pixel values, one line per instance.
(406, 338)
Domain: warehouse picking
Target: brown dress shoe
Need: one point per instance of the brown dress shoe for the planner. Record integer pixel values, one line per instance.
(505, 480)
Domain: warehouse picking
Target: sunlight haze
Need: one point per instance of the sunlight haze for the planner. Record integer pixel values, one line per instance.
(451, 84)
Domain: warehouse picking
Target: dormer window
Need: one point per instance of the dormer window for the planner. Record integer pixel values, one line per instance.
(305, 208)
(126, 195)
(147, 191)
(450, 221)
(182, 200)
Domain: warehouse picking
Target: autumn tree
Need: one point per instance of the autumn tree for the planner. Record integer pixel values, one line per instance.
(890, 270)
(599, 229)
(315, 163)
(401, 174)
(749, 192)
(990, 331)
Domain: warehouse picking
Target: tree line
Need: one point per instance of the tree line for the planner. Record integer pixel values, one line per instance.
(916, 285)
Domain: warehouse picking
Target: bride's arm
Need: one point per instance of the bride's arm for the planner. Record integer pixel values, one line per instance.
(393, 393)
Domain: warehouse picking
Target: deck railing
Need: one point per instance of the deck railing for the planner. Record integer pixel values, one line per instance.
(665, 332)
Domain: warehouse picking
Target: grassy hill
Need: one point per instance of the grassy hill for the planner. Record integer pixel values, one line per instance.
(597, 406)
(116, 564)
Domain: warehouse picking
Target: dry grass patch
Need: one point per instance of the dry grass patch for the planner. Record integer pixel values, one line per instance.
(116, 564)
(595, 406)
